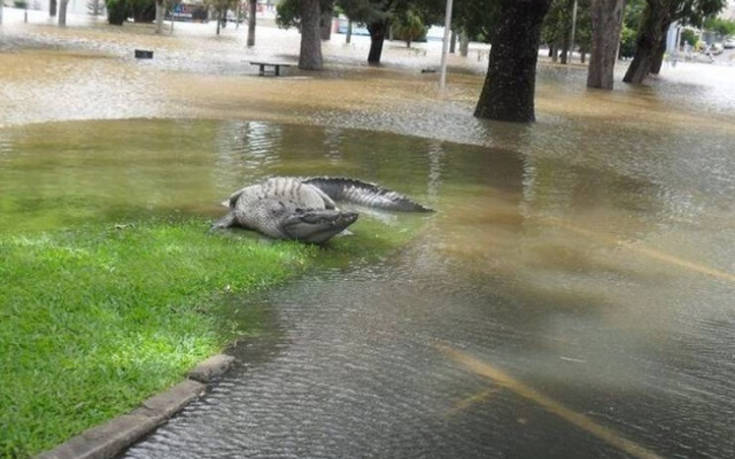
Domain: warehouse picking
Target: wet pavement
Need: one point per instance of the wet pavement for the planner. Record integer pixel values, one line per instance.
(572, 296)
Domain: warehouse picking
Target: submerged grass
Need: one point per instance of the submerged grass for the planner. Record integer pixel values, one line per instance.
(94, 320)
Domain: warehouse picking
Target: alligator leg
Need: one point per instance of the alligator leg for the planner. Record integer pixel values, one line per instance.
(227, 221)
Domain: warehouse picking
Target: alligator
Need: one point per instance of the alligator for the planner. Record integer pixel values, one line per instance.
(304, 209)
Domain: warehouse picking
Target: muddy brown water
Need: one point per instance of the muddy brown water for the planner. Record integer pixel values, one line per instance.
(572, 296)
(606, 288)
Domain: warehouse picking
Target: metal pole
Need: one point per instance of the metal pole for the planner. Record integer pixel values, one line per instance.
(574, 29)
(445, 45)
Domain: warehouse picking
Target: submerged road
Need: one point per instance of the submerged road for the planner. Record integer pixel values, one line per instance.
(394, 361)
(582, 316)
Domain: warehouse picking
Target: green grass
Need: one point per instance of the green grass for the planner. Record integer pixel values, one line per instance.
(96, 319)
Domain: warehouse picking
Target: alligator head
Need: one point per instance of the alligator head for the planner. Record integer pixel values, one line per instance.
(316, 225)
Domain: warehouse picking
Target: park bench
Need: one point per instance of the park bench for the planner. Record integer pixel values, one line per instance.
(142, 53)
(276, 66)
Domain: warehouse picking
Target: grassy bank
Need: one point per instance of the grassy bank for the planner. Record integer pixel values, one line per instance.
(94, 320)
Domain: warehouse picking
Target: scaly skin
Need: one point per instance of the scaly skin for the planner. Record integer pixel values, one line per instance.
(304, 209)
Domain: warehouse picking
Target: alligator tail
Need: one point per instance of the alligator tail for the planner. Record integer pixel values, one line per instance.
(366, 194)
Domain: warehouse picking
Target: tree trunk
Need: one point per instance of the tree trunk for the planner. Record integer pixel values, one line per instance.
(252, 9)
(219, 20)
(658, 58)
(51, 8)
(310, 57)
(348, 38)
(453, 42)
(326, 22)
(159, 16)
(555, 53)
(654, 25)
(464, 44)
(508, 92)
(377, 37)
(607, 22)
(62, 12)
(582, 55)
(567, 25)
(2, 3)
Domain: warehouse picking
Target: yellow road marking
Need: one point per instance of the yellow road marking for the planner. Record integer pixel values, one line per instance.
(469, 401)
(652, 253)
(583, 422)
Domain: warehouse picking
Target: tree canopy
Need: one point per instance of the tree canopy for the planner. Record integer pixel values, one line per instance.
(724, 27)
(408, 27)
(477, 18)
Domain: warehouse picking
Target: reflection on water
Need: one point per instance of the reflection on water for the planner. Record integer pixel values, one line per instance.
(594, 267)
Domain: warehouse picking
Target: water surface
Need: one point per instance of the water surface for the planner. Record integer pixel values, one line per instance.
(595, 266)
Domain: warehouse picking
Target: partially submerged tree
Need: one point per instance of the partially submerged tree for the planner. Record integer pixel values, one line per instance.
(651, 39)
(376, 15)
(464, 44)
(325, 19)
(62, 12)
(306, 16)
(142, 10)
(94, 7)
(556, 28)
(607, 21)
(310, 57)
(160, 13)
(409, 27)
(252, 10)
(583, 35)
(220, 8)
(508, 92)
(117, 11)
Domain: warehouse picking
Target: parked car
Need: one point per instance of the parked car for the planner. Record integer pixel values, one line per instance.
(715, 49)
(729, 43)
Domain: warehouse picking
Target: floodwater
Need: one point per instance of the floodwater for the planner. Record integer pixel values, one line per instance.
(571, 297)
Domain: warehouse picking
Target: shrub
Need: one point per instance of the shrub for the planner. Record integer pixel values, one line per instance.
(142, 10)
(409, 27)
(117, 11)
(689, 36)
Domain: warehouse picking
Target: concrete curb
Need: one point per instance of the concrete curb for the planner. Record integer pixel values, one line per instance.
(109, 439)
(211, 368)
